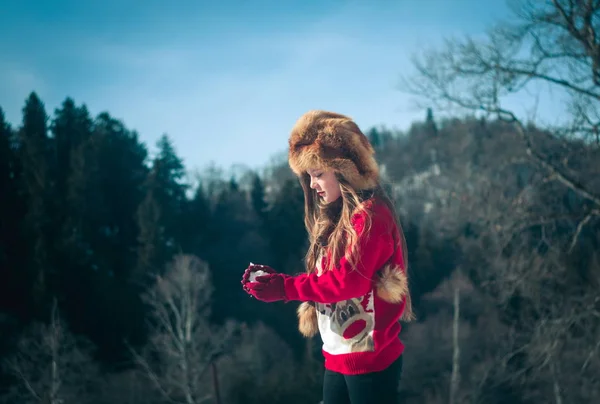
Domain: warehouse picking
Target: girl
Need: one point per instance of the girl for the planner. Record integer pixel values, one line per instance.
(355, 289)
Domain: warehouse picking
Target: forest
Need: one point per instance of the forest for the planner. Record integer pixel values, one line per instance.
(120, 270)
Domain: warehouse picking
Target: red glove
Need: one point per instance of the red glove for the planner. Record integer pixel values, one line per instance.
(268, 288)
(254, 268)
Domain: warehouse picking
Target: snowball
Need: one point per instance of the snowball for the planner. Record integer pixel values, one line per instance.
(253, 275)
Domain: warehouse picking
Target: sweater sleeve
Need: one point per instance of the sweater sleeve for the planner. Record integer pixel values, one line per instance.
(346, 282)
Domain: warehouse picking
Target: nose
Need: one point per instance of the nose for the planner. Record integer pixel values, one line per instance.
(313, 183)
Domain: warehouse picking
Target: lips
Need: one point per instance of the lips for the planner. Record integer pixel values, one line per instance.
(321, 193)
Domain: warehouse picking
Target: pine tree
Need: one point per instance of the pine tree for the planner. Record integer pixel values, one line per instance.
(374, 138)
(287, 233)
(86, 264)
(36, 186)
(11, 211)
(7, 169)
(196, 226)
(170, 192)
(6, 154)
(151, 248)
(75, 213)
(430, 125)
(71, 126)
(160, 217)
(257, 196)
(122, 172)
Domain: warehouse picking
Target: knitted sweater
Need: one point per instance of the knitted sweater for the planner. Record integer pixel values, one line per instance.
(359, 330)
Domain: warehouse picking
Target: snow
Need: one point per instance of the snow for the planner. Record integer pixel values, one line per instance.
(253, 275)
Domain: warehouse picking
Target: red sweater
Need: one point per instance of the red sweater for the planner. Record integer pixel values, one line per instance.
(360, 331)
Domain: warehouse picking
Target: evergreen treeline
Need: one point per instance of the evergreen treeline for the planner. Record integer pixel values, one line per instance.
(119, 277)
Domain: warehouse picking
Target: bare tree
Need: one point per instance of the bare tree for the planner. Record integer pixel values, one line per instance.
(455, 378)
(51, 365)
(182, 343)
(554, 44)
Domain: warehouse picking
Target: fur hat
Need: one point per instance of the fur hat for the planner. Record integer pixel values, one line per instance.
(322, 139)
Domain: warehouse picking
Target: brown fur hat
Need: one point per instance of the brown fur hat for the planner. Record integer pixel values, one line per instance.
(322, 139)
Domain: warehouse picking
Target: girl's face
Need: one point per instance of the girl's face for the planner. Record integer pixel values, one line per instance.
(325, 184)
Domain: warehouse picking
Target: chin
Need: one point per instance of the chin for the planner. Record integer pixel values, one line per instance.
(323, 200)
(328, 200)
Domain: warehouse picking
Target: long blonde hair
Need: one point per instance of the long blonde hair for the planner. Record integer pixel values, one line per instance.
(329, 226)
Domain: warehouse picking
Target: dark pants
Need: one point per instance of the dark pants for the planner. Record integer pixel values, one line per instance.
(369, 388)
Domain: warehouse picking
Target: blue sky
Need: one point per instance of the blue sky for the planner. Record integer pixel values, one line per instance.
(225, 79)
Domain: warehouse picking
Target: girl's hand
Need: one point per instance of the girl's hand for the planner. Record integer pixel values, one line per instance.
(268, 288)
(253, 274)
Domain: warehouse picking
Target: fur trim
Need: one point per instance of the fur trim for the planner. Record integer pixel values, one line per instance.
(322, 139)
(392, 286)
(307, 316)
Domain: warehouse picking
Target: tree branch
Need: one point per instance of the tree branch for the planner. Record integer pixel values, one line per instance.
(152, 376)
(561, 82)
(570, 183)
(17, 370)
(581, 225)
(590, 356)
